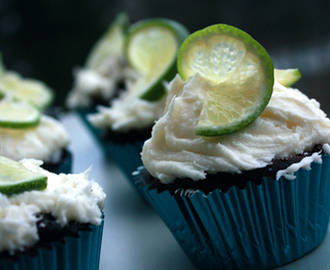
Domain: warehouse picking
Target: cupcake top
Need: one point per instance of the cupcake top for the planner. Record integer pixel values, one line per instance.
(68, 197)
(42, 142)
(104, 68)
(150, 49)
(101, 82)
(291, 124)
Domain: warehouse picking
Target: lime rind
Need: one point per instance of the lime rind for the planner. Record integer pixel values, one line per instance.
(201, 64)
(18, 114)
(287, 77)
(153, 89)
(15, 178)
(111, 43)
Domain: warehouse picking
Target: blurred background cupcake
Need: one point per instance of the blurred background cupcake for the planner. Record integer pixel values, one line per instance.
(46, 139)
(122, 126)
(48, 221)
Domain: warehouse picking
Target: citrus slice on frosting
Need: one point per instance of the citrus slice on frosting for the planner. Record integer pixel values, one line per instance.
(27, 89)
(110, 44)
(15, 178)
(240, 71)
(18, 114)
(151, 51)
(287, 77)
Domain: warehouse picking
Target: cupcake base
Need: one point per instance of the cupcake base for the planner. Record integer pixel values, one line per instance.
(82, 252)
(64, 165)
(257, 227)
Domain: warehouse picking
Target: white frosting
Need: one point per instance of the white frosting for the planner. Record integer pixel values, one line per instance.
(291, 124)
(40, 142)
(91, 82)
(68, 197)
(127, 112)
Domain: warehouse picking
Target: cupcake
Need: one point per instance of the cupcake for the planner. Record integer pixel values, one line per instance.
(246, 194)
(122, 127)
(48, 221)
(45, 138)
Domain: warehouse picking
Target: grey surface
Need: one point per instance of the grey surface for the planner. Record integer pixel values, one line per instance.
(134, 236)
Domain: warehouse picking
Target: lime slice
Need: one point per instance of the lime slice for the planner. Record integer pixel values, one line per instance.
(111, 43)
(151, 50)
(30, 90)
(287, 77)
(15, 178)
(18, 114)
(240, 70)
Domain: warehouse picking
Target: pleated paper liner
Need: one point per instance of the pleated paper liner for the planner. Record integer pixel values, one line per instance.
(126, 155)
(81, 253)
(259, 227)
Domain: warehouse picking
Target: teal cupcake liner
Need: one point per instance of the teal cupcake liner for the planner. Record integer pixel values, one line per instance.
(127, 156)
(258, 227)
(81, 253)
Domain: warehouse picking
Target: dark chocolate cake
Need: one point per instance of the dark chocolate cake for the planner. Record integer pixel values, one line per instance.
(227, 179)
(49, 231)
(60, 164)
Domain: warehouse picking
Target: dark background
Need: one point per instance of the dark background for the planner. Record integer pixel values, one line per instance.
(45, 39)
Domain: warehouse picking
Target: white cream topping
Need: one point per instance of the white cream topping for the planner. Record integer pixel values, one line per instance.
(68, 197)
(91, 82)
(127, 112)
(291, 124)
(40, 142)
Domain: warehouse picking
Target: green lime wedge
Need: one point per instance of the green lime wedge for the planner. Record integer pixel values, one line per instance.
(15, 178)
(18, 114)
(151, 50)
(110, 44)
(240, 70)
(30, 90)
(287, 77)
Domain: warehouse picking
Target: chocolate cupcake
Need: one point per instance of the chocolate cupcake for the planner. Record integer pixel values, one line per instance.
(254, 198)
(122, 127)
(58, 227)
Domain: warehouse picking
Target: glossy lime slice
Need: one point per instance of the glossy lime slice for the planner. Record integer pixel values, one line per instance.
(151, 50)
(18, 114)
(15, 178)
(30, 90)
(110, 44)
(287, 77)
(240, 70)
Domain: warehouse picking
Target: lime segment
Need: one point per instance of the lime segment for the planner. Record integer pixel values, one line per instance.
(26, 89)
(15, 178)
(287, 77)
(110, 44)
(18, 114)
(151, 51)
(240, 70)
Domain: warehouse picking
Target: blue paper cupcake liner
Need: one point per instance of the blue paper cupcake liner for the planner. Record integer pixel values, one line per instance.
(258, 227)
(81, 253)
(127, 156)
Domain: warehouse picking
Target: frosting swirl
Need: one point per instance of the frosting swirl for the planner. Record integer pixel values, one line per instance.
(291, 124)
(40, 142)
